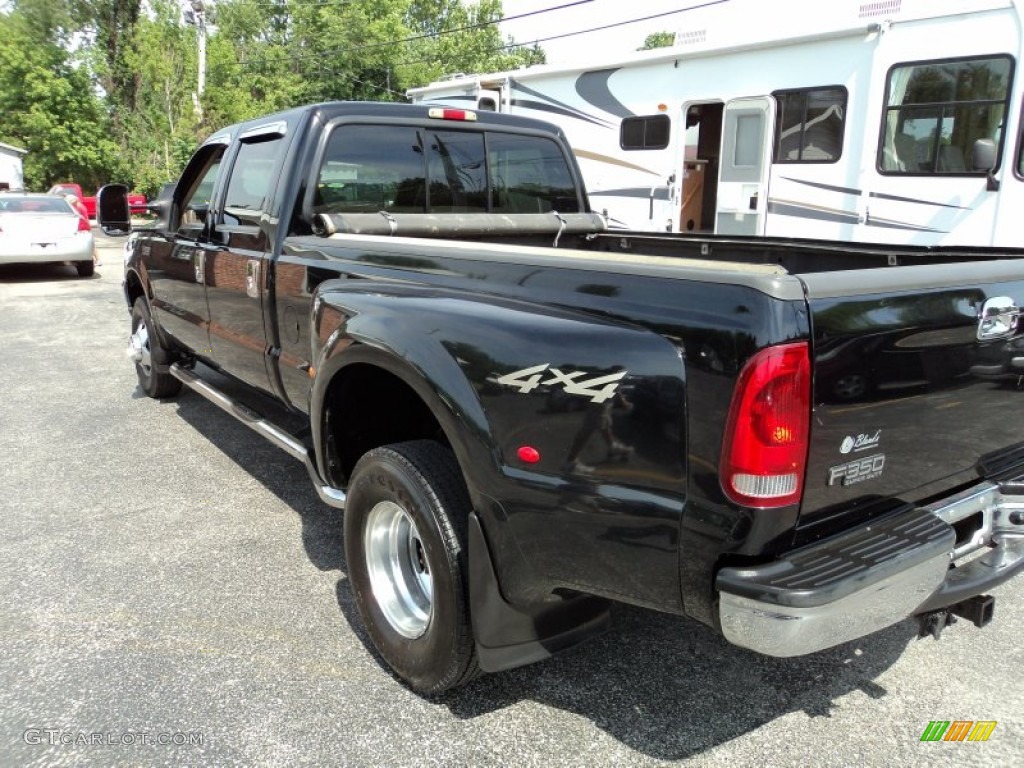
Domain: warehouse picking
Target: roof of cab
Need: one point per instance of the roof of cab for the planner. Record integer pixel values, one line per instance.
(330, 110)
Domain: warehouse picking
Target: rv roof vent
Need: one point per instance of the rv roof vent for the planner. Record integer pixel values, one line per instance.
(880, 8)
(692, 38)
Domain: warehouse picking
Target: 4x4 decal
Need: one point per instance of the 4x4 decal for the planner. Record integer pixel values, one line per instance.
(597, 390)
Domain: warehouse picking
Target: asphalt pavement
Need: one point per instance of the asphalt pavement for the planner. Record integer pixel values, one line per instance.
(174, 593)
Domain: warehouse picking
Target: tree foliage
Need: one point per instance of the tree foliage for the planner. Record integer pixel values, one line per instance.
(658, 40)
(101, 90)
(47, 101)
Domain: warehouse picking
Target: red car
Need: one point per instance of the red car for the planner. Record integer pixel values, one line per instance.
(136, 201)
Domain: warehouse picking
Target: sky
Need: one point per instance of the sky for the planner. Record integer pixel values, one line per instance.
(587, 15)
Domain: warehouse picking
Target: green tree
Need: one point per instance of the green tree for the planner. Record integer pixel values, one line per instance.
(658, 40)
(160, 131)
(463, 38)
(48, 102)
(101, 90)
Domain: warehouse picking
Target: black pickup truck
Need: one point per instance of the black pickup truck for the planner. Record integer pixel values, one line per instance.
(527, 417)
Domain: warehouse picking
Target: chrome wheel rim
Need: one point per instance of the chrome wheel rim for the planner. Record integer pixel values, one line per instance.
(140, 348)
(399, 574)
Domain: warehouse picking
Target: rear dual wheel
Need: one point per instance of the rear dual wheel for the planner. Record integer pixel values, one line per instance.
(405, 534)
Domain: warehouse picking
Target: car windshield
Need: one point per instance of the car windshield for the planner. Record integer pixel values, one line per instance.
(34, 205)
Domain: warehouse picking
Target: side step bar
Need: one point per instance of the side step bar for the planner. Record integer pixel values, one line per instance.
(283, 440)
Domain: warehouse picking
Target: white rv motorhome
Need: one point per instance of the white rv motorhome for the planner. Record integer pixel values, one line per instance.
(12, 175)
(894, 121)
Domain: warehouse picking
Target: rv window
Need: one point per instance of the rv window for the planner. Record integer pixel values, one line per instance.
(809, 125)
(648, 132)
(937, 110)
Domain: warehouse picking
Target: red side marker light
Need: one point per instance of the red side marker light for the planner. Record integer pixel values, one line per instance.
(528, 454)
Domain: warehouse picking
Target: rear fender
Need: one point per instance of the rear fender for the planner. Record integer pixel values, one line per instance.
(513, 386)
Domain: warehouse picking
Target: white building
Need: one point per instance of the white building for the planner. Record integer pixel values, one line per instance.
(12, 176)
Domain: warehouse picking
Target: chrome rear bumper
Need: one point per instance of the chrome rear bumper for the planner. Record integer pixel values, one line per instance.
(855, 584)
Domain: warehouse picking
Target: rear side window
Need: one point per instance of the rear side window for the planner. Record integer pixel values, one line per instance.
(647, 132)
(251, 181)
(809, 125)
(935, 112)
(401, 169)
(370, 168)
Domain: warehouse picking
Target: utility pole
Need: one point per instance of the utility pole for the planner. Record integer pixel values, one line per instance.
(198, 18)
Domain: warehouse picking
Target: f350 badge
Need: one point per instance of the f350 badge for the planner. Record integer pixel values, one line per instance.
(860, 468)
(598, 389)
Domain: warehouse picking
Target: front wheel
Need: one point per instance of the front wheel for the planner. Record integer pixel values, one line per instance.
(146, 353)
(405, 543)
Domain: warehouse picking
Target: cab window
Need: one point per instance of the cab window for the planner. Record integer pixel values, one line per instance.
(404, 169)
(250, 183)
(195, 205)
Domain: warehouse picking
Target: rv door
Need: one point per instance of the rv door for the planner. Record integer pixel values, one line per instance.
(743, 166)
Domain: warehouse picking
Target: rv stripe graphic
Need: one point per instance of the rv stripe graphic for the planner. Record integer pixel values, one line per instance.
(958, 730)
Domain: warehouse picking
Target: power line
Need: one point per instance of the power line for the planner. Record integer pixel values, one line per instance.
(286, 5)
(390, 43)
(627, 21)
(579, 32)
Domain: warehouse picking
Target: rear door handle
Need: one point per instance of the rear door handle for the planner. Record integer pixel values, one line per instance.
(252, 278)
(199, 263)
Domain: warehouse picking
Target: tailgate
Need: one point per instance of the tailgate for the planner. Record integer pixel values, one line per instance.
(914, 393)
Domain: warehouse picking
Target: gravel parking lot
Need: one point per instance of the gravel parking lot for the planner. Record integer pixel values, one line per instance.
(175, 593)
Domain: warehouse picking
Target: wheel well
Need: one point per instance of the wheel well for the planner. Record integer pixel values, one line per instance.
(133, 288)
(366, 407)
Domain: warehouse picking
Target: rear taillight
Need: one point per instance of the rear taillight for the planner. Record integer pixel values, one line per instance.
(764, 454)
(83, 224)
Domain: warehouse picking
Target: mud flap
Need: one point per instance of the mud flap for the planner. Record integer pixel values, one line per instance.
(509, 636)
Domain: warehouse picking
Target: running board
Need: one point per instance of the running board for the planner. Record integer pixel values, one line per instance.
(283, 440)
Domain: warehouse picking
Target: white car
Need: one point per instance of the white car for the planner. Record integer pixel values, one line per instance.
(38, 228)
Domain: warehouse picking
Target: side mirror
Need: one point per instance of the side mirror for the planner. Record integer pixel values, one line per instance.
(112, 211)
(983, 158)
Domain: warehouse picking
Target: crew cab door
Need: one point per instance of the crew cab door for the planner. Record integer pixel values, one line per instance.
(743, 166)
(175, 259)
(237, 251)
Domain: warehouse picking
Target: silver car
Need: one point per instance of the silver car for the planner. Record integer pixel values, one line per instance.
(37, 228)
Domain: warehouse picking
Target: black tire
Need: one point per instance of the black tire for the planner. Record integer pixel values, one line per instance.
(420, 479)
(85, 268)
(150, 352)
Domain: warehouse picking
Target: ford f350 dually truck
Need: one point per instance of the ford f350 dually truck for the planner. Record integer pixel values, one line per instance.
(526, 417)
